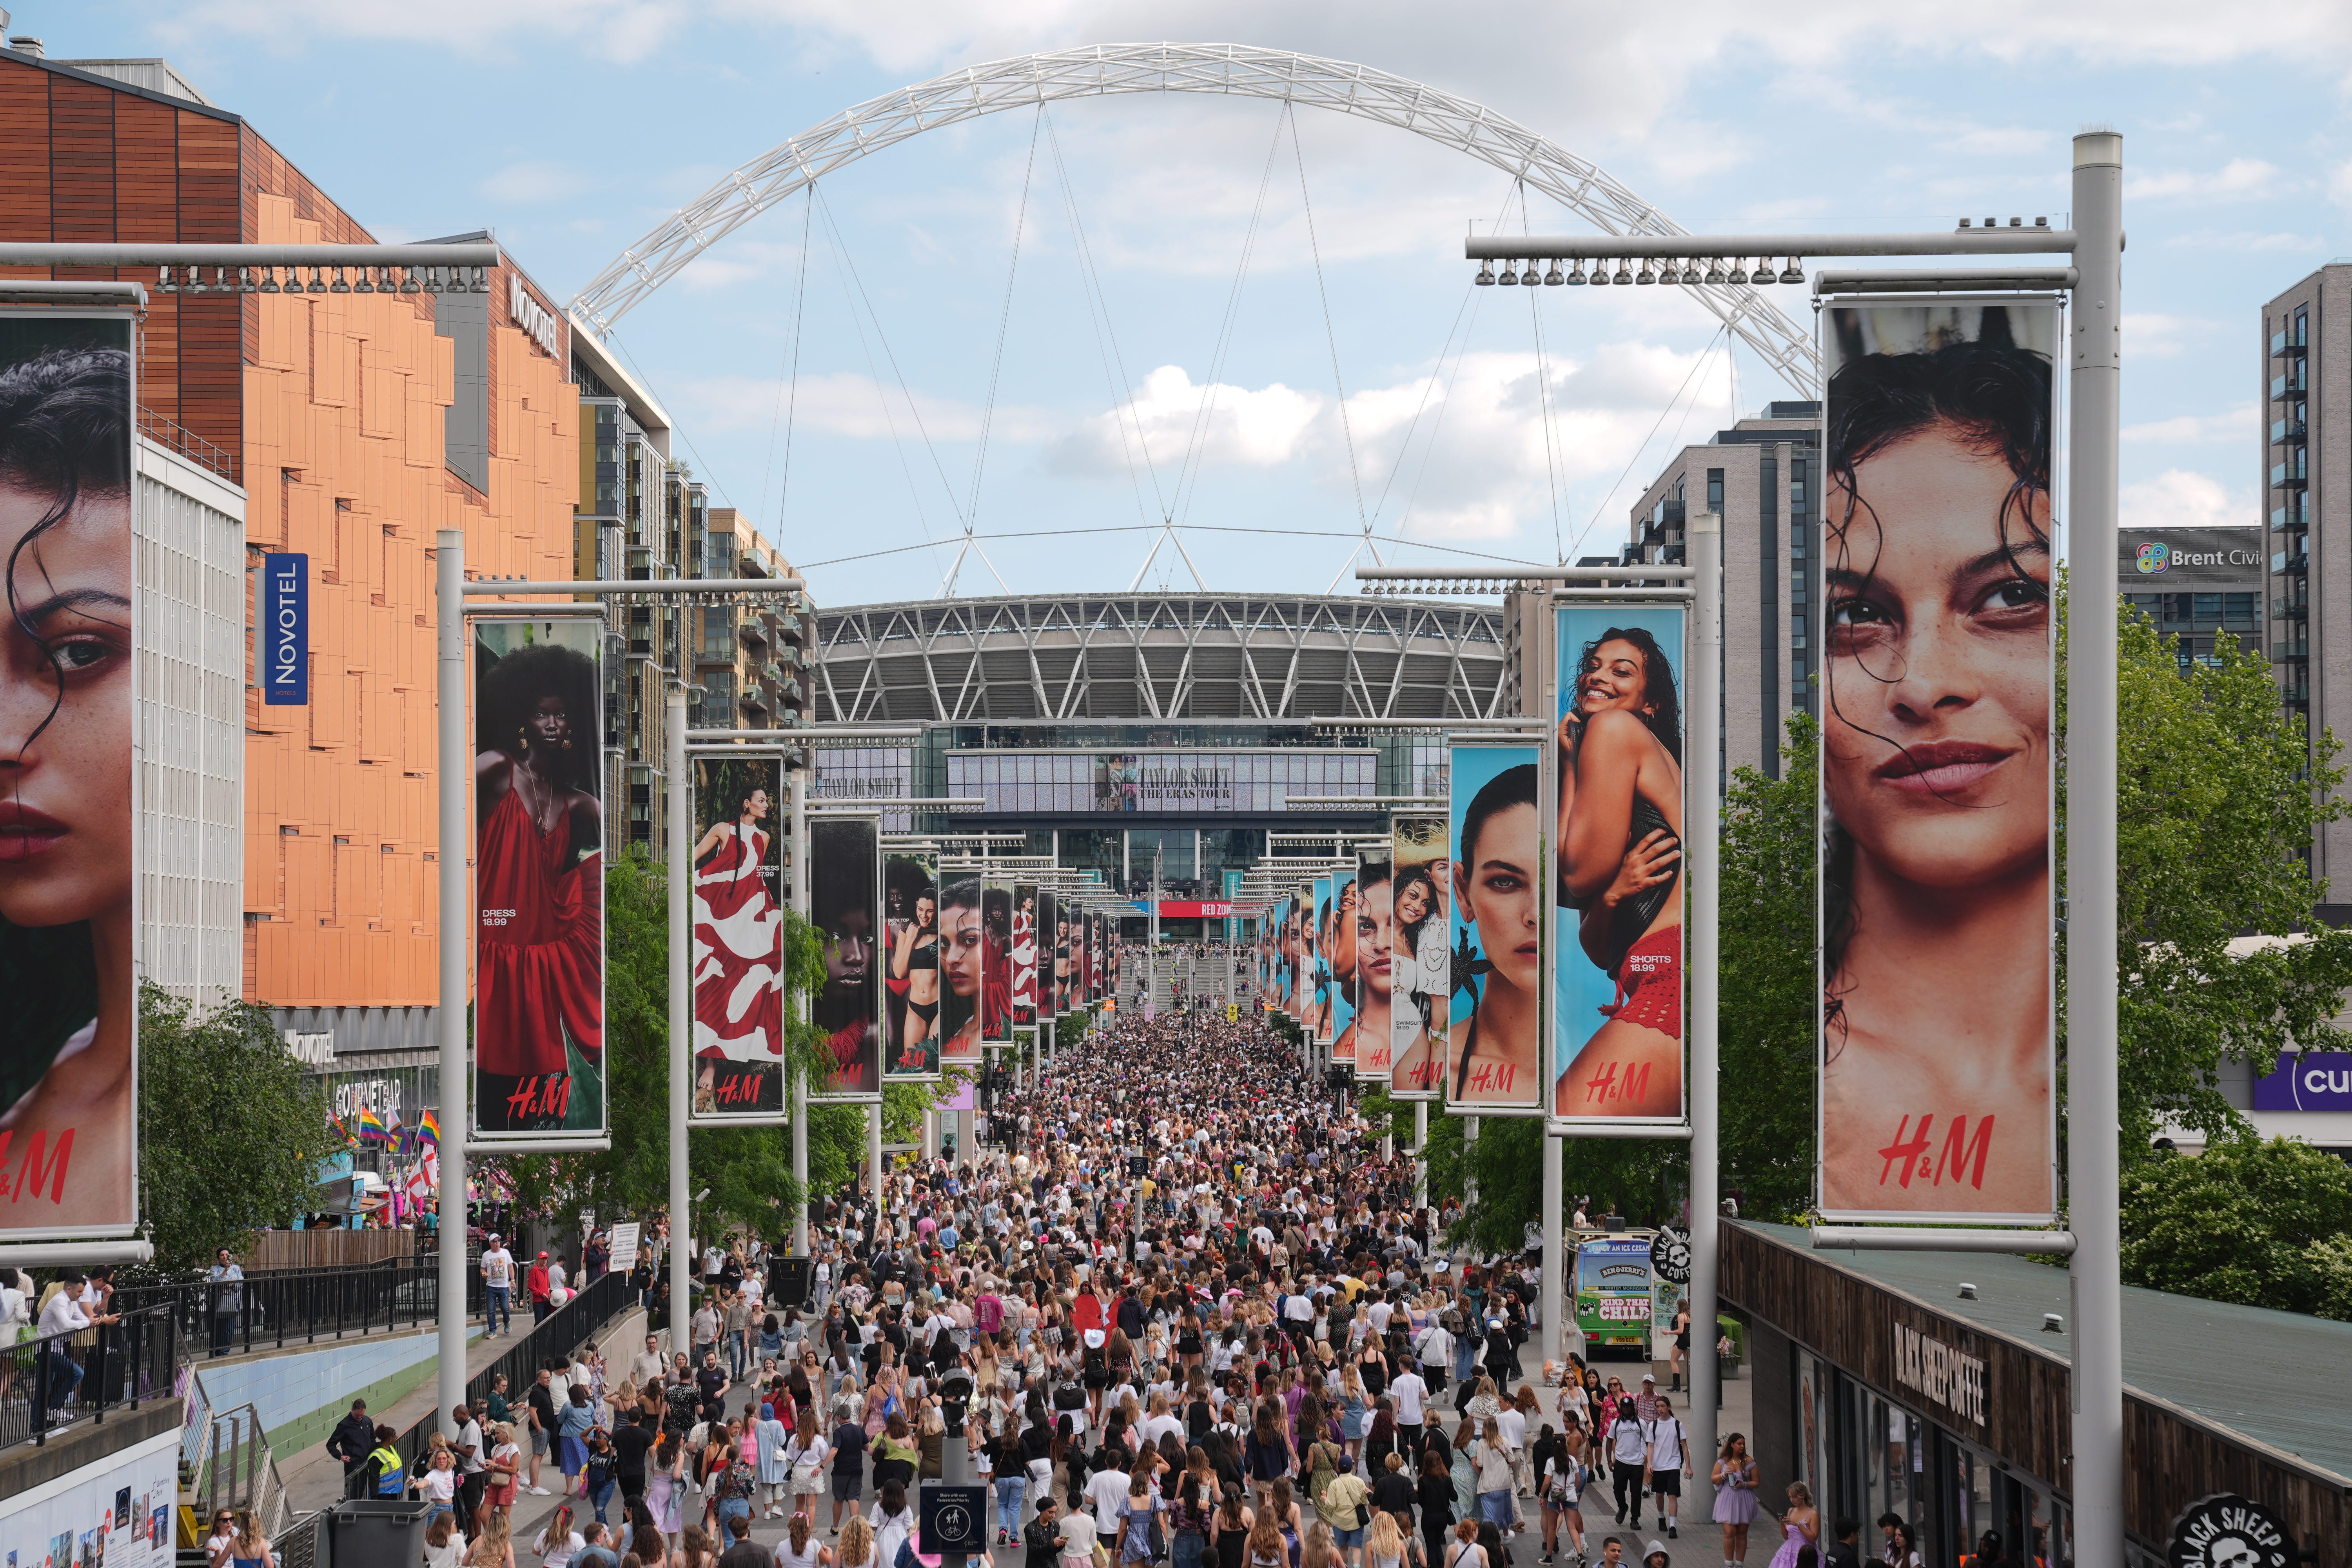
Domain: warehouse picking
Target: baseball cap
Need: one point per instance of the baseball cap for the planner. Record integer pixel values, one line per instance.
(542, 1252)
(1649, 1377)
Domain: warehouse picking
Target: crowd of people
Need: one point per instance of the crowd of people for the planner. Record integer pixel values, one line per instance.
(1195, 1317)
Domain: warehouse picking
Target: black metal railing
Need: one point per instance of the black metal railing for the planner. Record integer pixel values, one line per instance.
(604, 1298)
(50, 1383)
(272, 1308)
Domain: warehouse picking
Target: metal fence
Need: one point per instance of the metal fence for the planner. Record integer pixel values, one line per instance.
(270, 1309)
(590, 1308)
(46, 1383)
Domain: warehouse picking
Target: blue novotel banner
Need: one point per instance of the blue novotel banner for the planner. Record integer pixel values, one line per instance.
(285, 622)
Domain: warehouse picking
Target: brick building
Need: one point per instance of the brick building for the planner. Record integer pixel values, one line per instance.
(356, 424)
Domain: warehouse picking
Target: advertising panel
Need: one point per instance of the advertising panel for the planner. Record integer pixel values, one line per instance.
(1617, 999)
(1026, 782)
(996, 988)
(539, 877)
(911, 973)
(1340, 941)
(1937, 1039)
(1025, 906)
(844, 876)
(284, 620)
(1053, 947)
(117, 1511)
(1421, 969)
(1370, 1039)
(963, 965)
(739, 935)
(69, 825)
(1494, 1048)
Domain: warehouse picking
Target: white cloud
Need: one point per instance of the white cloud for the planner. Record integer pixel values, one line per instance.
(2154, 335)
(2180, 498)
(2239, 179)
(2238, 424)
(536, 180)
(1235, 426)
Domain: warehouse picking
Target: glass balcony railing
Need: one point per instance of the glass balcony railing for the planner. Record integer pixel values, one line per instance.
(2288, 475)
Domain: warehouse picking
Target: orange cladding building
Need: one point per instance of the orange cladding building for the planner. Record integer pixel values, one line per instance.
(357, 424)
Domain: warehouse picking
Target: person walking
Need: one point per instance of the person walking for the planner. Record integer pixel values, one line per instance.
(1735, 1496)
(226, 1282)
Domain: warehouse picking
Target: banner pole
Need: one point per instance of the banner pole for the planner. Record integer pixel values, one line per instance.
(1421, 1153)
(681, 1016)
(1702, 788)
(450, 642)
(800, 1009)
(1553, 1273)
(2092, 1143)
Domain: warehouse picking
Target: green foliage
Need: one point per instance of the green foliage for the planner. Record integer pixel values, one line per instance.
(2266, 1225)
(2216, 802)
(1765, 1009)
(232, 1129)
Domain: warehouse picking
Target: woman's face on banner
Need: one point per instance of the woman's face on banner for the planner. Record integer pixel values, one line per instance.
(1938, 733)
(927, 911)
(1498, 894)
(65, 828)
(1412, 905)
(1374, 939)
(1616, 675)
(548, 723)
(964, 950)
(755, 806)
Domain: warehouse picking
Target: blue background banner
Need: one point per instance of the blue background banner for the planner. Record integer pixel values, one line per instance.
(286, 631)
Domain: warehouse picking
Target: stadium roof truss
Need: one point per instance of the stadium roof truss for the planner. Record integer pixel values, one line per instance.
(1194, 656)
(1230, 70)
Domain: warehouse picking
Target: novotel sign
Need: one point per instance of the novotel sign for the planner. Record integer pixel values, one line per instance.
(537, 321)
(285, 622)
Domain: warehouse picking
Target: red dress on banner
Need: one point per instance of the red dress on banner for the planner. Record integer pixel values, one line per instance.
(540, 962)
(739, 954)
(995, 992)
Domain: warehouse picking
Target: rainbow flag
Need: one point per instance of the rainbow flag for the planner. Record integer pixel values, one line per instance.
(428, 1129)
(371, 1125)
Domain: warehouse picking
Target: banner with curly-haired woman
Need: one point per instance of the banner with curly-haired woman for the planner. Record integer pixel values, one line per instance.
(1937, 1035)
(69, 828)
(539, 877)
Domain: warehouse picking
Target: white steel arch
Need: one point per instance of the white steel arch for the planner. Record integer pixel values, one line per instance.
(1228, 69)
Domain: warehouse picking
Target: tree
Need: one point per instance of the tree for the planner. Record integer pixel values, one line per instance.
(2266, 1225)
(232, 1129)
(747, 1171)
(2217, 797)
(1766, 1005)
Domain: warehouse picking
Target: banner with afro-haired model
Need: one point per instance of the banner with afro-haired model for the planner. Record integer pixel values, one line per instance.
(539, 877)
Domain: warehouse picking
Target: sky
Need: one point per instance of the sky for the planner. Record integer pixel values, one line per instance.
(1054, 330)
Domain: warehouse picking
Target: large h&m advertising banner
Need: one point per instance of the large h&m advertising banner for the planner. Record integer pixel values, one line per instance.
(996, 988)
(911, 970)
(539, 877)
(1318, 960)
(1938, 1039)
(1339, 935)
(1369, 1042)
(739, 935)
(1420, 965)
(68, 815)
(963, 967)
(1493, 1052)
(1025, 908)
(1617, 1046)
(844, 876)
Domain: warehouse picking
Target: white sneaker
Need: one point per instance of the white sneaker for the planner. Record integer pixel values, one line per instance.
(539, 1491)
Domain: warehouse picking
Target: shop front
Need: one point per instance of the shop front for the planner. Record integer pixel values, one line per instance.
(1954, 1418)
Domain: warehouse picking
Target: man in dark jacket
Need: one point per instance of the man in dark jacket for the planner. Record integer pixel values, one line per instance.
(354, 1436)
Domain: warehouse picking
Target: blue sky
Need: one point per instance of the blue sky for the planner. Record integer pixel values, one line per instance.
(573, 128)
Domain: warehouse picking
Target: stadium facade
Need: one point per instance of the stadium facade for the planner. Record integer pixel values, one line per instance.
(1110, 726)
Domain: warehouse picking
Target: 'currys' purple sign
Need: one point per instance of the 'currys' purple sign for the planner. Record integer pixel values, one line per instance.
(2313, 1080)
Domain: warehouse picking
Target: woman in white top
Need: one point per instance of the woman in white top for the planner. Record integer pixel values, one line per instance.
(893, 1520)
(445, 1544)
(558, 1542)
(801, 1549)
